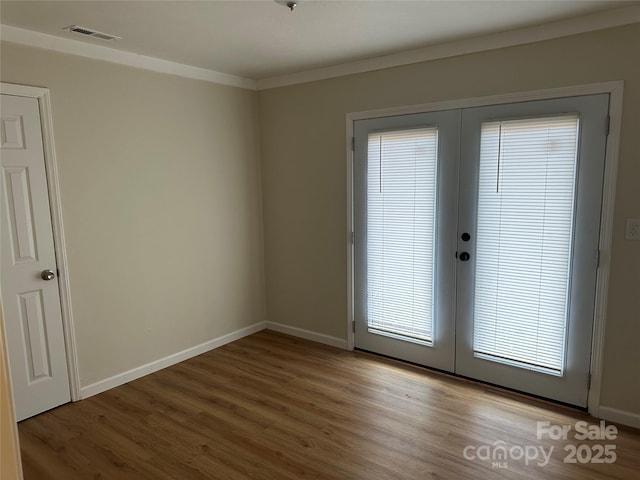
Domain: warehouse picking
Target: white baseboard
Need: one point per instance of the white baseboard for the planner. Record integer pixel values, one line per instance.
(308, 335)
(619, 416)
(128, 376)
(122, 378)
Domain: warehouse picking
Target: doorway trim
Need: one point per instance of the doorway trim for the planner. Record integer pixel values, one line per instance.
(615, 90)
(55, 202)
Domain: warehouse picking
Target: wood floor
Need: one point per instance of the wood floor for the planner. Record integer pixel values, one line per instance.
(271, 406)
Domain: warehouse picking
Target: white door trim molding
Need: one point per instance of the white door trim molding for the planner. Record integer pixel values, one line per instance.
(606, 240)
(615, 90)
(8, 411)
(51, 168)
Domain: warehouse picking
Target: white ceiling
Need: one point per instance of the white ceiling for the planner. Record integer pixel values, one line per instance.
(262, 39)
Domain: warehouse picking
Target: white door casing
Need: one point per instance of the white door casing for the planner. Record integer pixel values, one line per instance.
(616, 91)
(32, 308)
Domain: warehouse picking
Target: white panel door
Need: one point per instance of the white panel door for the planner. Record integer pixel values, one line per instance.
(29, 285)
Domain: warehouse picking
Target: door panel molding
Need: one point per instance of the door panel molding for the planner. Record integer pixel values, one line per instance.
(55, 202)
(615, 90)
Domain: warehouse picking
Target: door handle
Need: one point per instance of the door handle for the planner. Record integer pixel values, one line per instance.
(47, 275)
(464, 256)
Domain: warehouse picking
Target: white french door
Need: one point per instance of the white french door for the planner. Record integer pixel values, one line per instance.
(476, 240)
(405, 230)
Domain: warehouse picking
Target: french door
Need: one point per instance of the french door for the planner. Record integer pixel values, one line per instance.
(476, 240)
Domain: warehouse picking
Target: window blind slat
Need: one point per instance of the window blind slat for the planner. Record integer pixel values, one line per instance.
(523, 244)
(401, 202)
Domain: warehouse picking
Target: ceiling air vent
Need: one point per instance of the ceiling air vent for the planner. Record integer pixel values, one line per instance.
(91, 33)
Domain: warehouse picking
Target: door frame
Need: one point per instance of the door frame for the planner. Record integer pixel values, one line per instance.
(615, 90)
(55, 203)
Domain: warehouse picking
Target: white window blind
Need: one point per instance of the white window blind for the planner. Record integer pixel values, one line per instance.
(524, 236)
(401, 206)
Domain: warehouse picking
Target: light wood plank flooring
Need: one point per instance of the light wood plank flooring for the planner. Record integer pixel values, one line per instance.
(271, 406)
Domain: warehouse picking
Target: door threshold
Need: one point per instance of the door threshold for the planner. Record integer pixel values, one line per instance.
(505, 391)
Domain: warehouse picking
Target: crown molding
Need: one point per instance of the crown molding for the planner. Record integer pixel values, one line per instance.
(66, 45)
(587, 23)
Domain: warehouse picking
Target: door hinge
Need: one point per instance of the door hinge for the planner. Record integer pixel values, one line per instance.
(589, 382)
(353, 326)
(597, 258)
(353, 144)
(607, 126)
(353, 238)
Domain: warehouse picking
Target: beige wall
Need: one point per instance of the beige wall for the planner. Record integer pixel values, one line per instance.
(302, 139)
(160, 185)
(10, 468)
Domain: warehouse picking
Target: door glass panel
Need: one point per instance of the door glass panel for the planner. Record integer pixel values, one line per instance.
(401, 213)
(525, 216)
